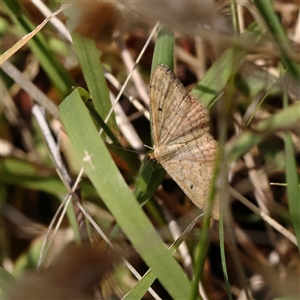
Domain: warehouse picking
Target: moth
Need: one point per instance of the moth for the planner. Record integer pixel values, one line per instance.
(180, 132)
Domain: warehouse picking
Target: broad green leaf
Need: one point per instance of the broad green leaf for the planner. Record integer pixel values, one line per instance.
(118, 198)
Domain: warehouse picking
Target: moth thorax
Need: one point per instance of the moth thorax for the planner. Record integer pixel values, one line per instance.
(162, 153)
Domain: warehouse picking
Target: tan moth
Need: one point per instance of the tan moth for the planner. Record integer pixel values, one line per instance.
(180, 132)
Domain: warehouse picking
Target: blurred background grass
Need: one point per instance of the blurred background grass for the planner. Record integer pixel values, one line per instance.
(241, 60)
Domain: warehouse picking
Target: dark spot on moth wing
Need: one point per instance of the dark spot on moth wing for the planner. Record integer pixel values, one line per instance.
(160, 109)
(192, 186)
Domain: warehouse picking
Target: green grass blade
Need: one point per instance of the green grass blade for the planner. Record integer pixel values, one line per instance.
(285, 118)
(127, 157)
(293, 188)
(37, 177)
(114, 191)
(40, 48)
(218, 75)
(140, 289)
(151, 176)
(223, 256)
(6, 280)
(267, 11)
(88, 56)
(164, 49)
